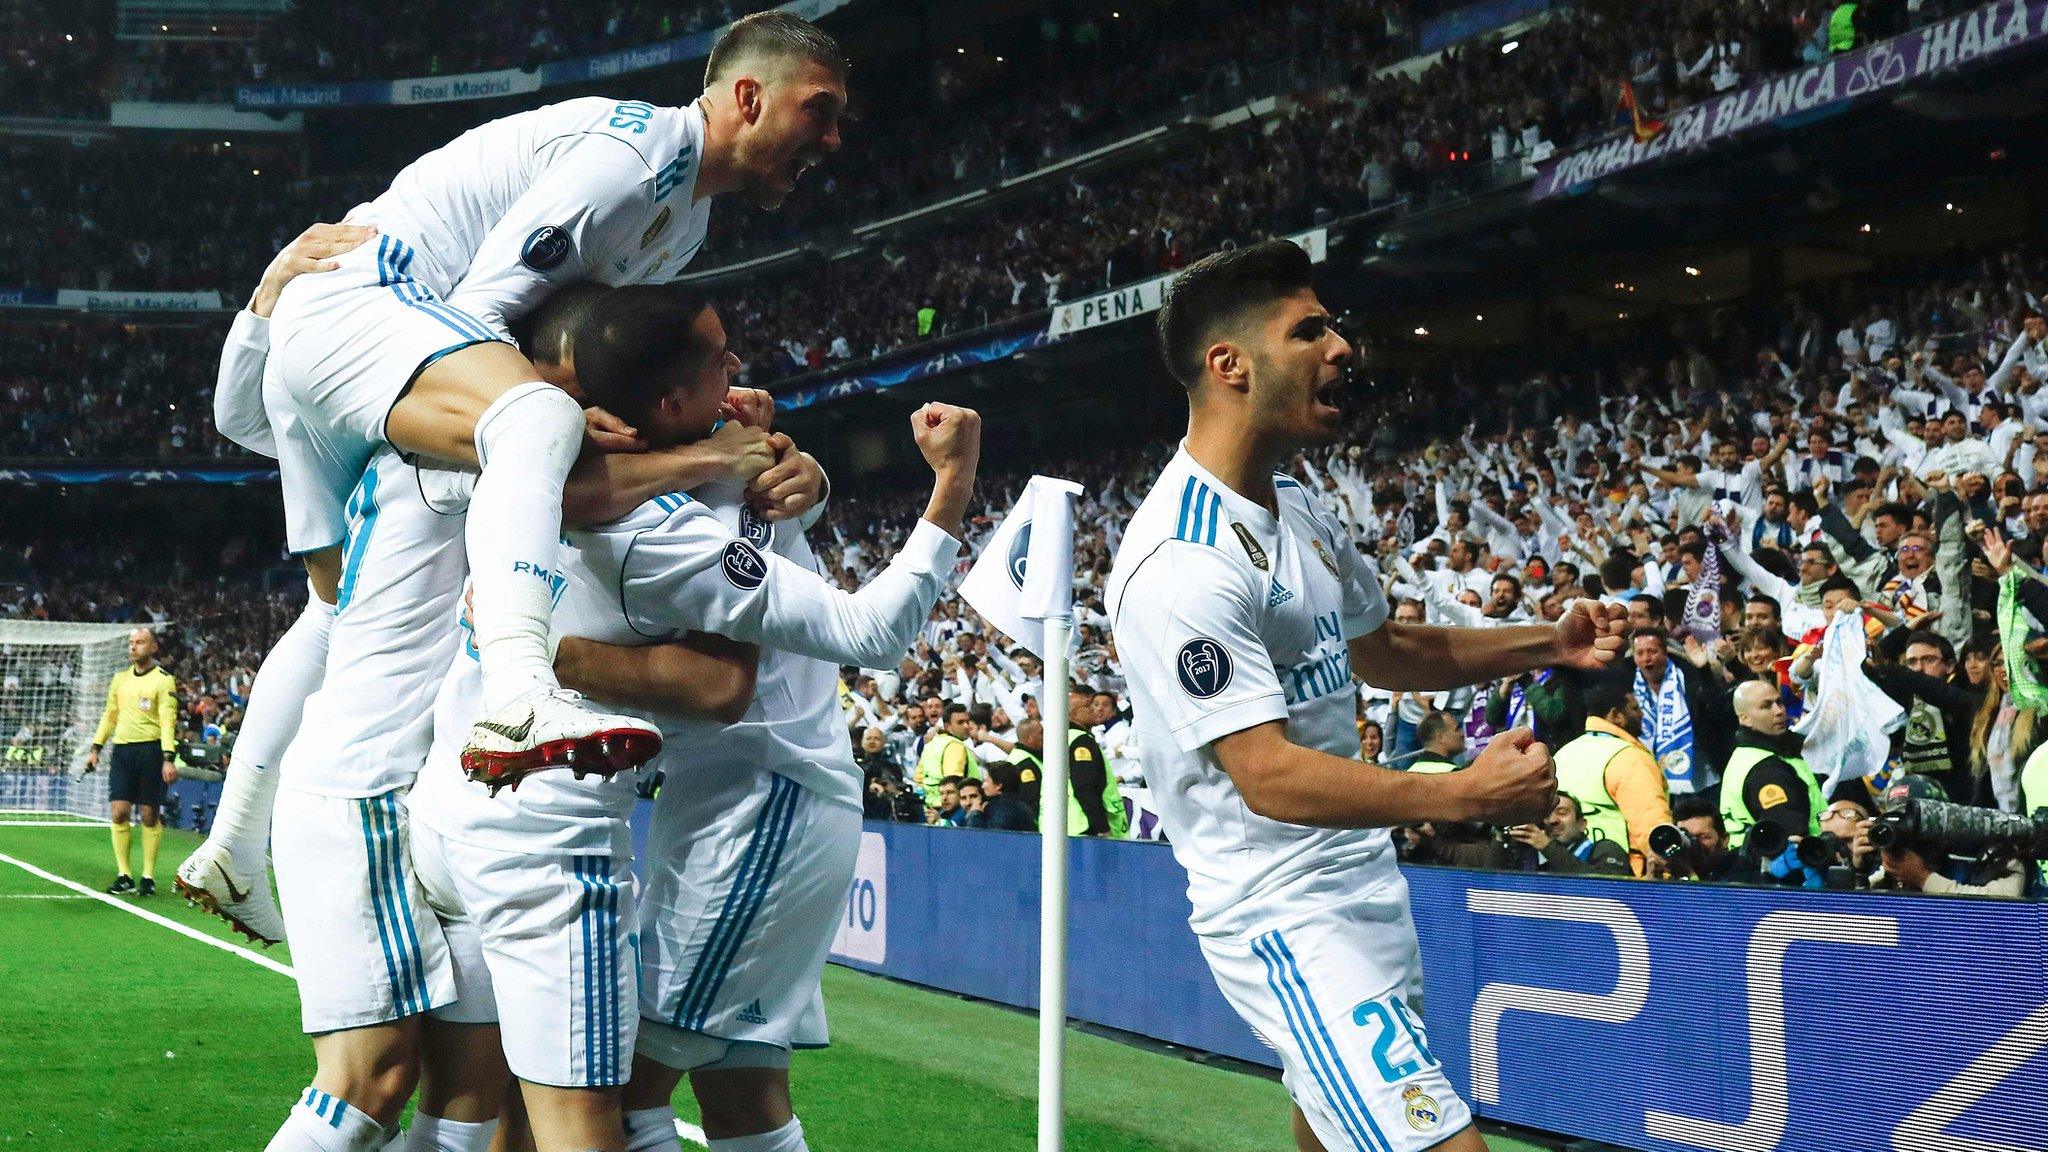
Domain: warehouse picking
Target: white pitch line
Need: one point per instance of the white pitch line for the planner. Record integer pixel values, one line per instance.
(161, 921)
(54, 824)
(684, 1128)
(41, 896)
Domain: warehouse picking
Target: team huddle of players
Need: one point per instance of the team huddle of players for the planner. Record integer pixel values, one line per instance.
(553, 553)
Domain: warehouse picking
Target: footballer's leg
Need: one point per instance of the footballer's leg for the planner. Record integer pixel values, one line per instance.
(227, 874)
(464, 1079)
(486, 404)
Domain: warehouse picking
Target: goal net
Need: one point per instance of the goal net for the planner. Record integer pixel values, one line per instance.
(53, 688)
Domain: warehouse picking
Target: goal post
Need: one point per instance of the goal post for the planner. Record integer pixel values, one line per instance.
(53, 689)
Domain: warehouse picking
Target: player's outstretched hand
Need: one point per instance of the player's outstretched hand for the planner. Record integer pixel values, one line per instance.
(742, 452)
(949, 437)
(790, 487)
(315, 250)
(1514, 781)
(1589, 635)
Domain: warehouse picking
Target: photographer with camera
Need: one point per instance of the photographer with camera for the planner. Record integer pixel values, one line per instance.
(1612, 774)
(1919, 831)
(1562, 844)
(1709, 852)
(1453, 843)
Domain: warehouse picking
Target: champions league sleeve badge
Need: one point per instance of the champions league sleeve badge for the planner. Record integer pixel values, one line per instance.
(1204, 667)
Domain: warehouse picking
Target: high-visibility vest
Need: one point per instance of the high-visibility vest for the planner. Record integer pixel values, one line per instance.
(1842, 28)
(1582, 775)
(1431, 765)
(1735, 811)
(1112, 797)
(931, 763)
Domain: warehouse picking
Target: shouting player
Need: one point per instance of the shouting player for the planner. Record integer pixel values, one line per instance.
(1243, 612)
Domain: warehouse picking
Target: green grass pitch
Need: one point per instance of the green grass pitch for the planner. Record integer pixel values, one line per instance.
(118, 1034)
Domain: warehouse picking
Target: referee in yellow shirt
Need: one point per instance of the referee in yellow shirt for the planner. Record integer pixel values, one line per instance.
(142, 717)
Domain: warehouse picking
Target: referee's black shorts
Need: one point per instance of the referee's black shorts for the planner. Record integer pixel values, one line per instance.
(137, 773)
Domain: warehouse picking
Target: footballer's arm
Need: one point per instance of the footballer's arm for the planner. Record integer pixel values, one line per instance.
(1513, 781)
(700, 675)
(1401, 657)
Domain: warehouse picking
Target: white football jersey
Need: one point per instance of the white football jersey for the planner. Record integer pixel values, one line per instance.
(1227, 617)
(676, 565)
(587, 189)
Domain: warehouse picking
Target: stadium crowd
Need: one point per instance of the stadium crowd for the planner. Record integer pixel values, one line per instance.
(1372, 140)
(1735, 482)
(215, 615)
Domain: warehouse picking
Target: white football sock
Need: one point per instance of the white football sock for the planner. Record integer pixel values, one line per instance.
(323, 1123)
(652, 1130)
(526, 441)
(277, 699)
(788, 1138)
(434, 1134)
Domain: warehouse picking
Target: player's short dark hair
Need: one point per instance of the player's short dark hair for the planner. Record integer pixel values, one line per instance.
(632, 343)
(772, 35)
(1218, 290)
(548, 331)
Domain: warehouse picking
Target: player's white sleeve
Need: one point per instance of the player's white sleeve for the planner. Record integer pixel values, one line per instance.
(1185, 629)
(692, 574)
(1365, 606)
(589, 203)
(238, 391)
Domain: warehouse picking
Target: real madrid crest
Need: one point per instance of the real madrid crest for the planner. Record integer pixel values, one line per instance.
(1421, 1108)
(1323, 554)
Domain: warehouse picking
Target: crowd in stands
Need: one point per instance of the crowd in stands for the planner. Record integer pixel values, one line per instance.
(1369, 142)
(215, 615)
(1735, 483)
(105, 389)
(325, 43)
(53, 59)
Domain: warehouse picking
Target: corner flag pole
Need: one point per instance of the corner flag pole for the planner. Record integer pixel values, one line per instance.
(1052, 899)
(1023, 584)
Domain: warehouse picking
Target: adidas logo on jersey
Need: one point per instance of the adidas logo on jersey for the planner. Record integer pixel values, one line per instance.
(751, 1014)
(1278, 595)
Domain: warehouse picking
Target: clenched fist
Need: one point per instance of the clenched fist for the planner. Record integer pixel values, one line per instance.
(1513, 782)
(949, 437)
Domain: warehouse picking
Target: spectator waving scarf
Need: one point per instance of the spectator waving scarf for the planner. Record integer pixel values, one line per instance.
(1848, 725)
(1667, 726)
(2024, 679)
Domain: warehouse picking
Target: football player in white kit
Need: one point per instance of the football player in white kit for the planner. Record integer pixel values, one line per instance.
(757, 822)
(392, 348)
(406, 344)
(1243, 612)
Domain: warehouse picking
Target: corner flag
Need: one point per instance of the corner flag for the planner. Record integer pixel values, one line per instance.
(1025, 575)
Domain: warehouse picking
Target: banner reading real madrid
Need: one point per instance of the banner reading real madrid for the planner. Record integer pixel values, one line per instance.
(1145, 296)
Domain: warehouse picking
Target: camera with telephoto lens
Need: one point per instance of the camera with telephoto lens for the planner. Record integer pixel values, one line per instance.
(1960, 828)
(1670, 842)
(1767, 841)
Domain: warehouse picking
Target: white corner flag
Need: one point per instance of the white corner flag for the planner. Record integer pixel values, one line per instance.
(1025, 575)
(1024, 585)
